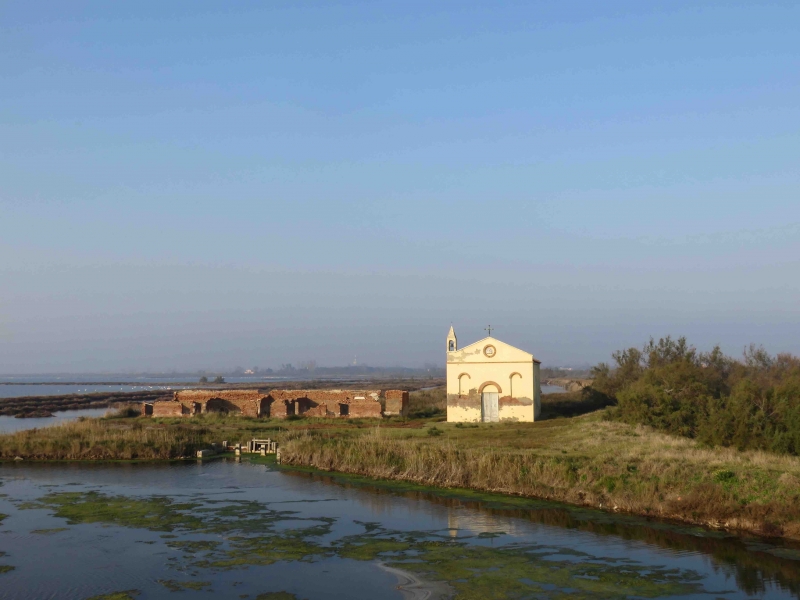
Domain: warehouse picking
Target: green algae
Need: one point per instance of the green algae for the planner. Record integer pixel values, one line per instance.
(122, 595)
(277, 596)
(257, 534)
(193, 547)
(479, 572)
(50, 531)
(6, 568)
(3, 517)
(179, 586)
(156, 513)
(266, 550)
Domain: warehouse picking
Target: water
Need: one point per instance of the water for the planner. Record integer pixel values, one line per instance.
(59, 389)
(21, 386)
(552, 389)
(241, 529)
(12, 424)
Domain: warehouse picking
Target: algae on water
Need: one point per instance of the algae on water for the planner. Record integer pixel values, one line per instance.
(251, 533)
(123, 595)
(50, 531)
(179, 586)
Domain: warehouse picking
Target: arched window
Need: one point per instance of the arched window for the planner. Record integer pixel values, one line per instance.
(452, 346)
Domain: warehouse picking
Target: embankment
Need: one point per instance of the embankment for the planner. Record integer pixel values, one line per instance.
(583, 461)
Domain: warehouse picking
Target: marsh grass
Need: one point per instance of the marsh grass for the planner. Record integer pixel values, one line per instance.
(583, 460)
(429, 403)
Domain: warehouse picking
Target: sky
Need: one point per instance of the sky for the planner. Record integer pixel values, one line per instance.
(189, 185)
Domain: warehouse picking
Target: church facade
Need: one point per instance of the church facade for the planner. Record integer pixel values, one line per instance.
(491, 381)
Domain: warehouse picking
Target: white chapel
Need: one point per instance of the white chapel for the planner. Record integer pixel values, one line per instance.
(490, 380)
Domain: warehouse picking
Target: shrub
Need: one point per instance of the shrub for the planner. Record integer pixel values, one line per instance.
(753, 403)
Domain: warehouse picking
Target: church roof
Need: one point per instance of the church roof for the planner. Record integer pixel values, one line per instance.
(503, 352)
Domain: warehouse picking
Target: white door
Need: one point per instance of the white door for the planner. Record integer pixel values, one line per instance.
(489, 407)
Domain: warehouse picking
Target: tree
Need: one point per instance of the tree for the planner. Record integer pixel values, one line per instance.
(219, 379)
(204, 379)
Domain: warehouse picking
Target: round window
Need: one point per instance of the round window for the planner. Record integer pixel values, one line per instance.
(489, 351)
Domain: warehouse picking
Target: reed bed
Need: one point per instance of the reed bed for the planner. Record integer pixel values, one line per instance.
(583, 461)
(102, 439)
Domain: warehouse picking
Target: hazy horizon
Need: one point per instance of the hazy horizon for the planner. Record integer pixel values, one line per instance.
(194, 185)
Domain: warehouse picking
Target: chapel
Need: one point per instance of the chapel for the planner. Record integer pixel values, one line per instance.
(490, 381)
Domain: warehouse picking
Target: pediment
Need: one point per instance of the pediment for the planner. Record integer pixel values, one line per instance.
(480, 351)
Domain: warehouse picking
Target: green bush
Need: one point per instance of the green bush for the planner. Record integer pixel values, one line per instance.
(753, 403)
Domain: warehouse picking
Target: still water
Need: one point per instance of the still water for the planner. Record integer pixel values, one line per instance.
(11, 424)
(241, 530)
(14, 390)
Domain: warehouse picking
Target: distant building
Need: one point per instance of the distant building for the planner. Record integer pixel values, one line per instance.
(491, 381)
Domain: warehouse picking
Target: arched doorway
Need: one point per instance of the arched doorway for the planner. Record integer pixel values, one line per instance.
(223, 406)
(490, 396)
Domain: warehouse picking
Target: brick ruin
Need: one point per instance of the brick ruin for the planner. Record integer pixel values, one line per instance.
(283, 403)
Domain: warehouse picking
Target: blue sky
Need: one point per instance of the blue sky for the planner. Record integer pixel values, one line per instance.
(207, 184)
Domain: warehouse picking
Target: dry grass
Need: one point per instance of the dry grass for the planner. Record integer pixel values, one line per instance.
(583, 460)
(101, 439)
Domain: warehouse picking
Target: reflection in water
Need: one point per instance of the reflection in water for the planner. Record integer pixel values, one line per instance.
(755, 564)
(123, 552)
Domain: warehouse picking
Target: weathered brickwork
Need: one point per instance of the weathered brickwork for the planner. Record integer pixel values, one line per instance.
(396, 403)
(283, 403)
(248, 403)
(326, 403)
(170, 408)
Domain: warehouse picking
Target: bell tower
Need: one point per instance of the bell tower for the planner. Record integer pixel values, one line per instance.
(452, 342)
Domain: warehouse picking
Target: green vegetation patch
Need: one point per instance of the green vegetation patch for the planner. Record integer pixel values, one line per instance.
(156, 513)
(6, 568)
(50, 531)
(276, 596)
(3, 517)
(179, 586)
(472, 569)
(122, 595)
(528, 570)
(193, 547)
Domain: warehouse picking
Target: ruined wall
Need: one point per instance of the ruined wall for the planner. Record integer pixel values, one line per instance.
(396, 403)
(283, 403)
(367, 409)
(169, 408)
(326, 403)
(248, 403)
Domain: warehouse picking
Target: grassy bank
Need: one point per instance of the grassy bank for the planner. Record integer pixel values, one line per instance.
(572, 456)
(584, 460)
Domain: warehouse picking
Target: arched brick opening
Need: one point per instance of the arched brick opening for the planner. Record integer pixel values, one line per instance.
(222, 406)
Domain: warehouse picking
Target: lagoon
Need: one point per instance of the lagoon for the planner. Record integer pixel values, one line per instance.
(11, 424)
(241, 529)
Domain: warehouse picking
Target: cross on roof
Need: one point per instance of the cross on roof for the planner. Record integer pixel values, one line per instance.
(489, 329)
